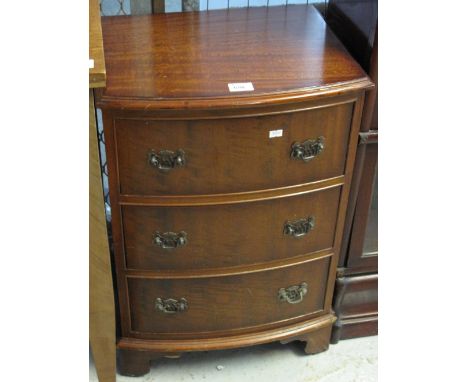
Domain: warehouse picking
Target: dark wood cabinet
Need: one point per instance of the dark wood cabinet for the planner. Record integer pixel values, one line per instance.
(356, 292)
(228, 207)
(362, 248)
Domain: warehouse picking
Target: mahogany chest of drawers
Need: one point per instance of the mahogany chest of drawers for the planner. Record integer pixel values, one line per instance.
(230, 139)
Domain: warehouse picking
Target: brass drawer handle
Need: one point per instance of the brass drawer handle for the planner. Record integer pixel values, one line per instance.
(299, 228)
(166, 160)
(308, 149)
(293, 294)
(170, 240)
(171, 306)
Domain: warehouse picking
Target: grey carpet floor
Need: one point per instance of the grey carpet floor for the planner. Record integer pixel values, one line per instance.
(348, 361)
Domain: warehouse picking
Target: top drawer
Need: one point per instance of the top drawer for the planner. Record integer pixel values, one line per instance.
(180, 157)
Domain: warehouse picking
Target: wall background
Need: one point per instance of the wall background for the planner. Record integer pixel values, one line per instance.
(127, 7)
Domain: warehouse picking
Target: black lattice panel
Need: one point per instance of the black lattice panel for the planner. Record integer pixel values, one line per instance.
(104, 170)
(115, 7)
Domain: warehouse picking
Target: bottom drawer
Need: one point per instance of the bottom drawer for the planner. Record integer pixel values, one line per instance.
(229, 302)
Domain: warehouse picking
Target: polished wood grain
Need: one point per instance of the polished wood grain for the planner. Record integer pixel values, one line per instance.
(186, 60)
(218, 236)
(225, 303)
(101, 295)
(169, 91)
(218, 152)
(97, 74)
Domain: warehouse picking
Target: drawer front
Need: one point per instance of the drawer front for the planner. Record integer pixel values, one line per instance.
(229, 235)
(231, 155)
(231, 302)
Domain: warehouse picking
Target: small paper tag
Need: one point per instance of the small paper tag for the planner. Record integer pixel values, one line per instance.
(241, 87)
(276, 133)
(91, 63)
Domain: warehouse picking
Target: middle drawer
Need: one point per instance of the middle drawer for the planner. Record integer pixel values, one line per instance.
(181, 238)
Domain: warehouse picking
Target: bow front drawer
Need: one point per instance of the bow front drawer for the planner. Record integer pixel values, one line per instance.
(210, 304)
(212, 156)
(215, 236)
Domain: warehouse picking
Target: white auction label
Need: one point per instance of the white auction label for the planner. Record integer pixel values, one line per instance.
(241, 87)
(91, 63)
(276, 133)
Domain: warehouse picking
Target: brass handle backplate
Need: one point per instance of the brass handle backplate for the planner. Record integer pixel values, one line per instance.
(166, 160)
(170, 240)
(299, 228)
(293, 294)
(308, 149)
(171, 306)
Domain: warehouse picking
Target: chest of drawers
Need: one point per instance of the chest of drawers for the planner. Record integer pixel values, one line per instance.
(227, 206)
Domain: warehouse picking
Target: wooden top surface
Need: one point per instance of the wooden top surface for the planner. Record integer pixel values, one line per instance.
(97, 74)
(188, 59)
